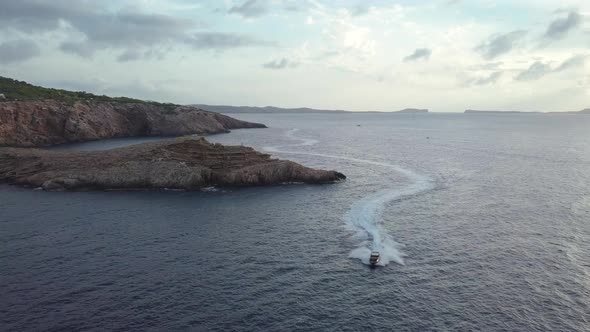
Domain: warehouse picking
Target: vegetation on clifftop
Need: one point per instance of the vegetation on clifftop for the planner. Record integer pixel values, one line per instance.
(14, 90)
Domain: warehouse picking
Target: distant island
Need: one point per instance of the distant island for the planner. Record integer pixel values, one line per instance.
(413, 110)
(267, 109)
(584, 111)
(272, 109)
(498, 112)
(33, 116)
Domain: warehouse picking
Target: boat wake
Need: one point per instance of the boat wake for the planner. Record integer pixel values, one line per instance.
(365, 216)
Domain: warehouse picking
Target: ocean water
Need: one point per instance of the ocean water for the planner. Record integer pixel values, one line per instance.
(483, 222)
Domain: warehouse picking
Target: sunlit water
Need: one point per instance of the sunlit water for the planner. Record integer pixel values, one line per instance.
(483, 222)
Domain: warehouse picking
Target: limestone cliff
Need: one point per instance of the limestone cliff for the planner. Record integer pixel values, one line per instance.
(48, 122)
(181, 163)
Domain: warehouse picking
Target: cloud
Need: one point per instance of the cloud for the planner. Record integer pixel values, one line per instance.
(126, 30)
(497, 45)
(359, 10)
(82, 49)
(540, 69)
(560, 27)
(487, 66)
(280, 64)
(18, 51)
(419, 54)
(136, 34)
(574, 61)
(222, 41)
(250, 8)
(301, 6)
(534, 72)
(129, 55)
(491, 79)
(136, 29)
(34, 15)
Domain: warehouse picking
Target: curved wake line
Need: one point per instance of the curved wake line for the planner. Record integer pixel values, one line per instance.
(365, 216)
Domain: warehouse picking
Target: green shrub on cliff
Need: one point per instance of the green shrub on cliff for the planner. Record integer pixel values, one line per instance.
(23, 91)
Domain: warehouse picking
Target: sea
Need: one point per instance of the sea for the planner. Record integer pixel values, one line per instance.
(482, 222)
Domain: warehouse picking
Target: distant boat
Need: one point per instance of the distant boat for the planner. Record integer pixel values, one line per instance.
(375, 258)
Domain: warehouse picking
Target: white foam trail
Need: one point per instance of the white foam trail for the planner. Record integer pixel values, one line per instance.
(365, 216)
(291, 134)
(304, 141)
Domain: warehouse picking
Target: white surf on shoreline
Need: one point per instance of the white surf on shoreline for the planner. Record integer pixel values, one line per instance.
(365, 216)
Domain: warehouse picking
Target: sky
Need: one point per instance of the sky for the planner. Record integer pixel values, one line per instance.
(444, 55)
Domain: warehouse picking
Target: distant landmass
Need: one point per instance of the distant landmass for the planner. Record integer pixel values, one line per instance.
(267, 109)
(584, 111)
(273, 109)
(501, 112)
(413, 110)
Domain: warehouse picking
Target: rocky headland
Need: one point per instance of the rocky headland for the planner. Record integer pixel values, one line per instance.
(32, 116)
(49, 122)
(182, 163)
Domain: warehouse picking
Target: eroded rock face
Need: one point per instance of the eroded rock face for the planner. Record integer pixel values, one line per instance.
(187, 164)
(39, 123)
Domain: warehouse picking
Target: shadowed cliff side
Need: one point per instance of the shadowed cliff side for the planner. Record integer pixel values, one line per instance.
(39, 123)
(182, 163)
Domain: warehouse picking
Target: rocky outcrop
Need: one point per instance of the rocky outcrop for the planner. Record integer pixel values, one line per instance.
(39, 123)
(182, 163)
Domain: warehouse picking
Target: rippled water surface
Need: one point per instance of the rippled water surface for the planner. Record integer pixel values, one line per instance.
(483, 222)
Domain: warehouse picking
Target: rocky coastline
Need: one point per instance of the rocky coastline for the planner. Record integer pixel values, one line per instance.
(33, 117)
(50, 122)
(181, 163)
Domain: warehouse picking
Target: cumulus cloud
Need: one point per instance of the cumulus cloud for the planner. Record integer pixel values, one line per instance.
(497, 45)
(560, 27)
(250, 8)
(534, 72)
(280, 64)
(419, 54)
(18, 50)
